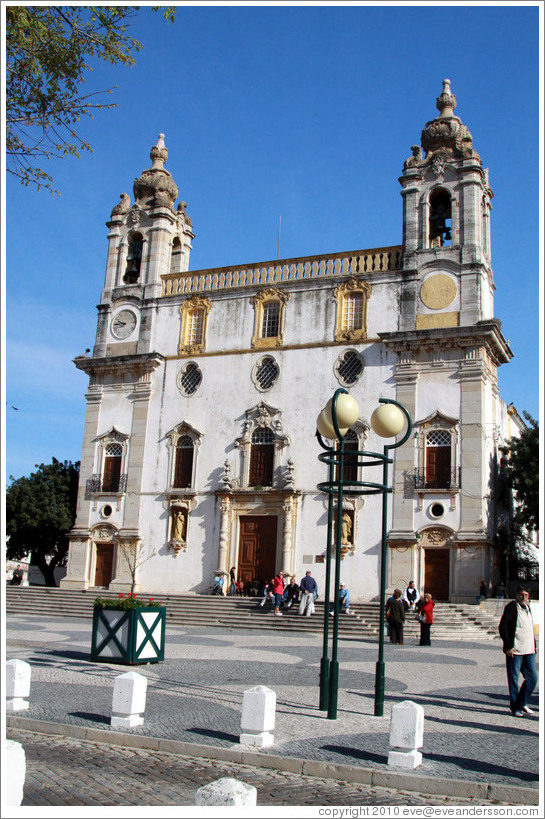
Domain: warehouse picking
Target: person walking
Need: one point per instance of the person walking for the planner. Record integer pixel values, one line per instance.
(308, 586)
(278, 591)
(519, 646)
(395, 615)
(267, 593)
(425, 612)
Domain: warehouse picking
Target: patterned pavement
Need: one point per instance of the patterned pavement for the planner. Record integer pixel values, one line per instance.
(195, 696)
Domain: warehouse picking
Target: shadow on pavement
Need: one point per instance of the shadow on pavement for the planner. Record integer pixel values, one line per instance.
(208, 732)
(356, 753)
(91, 717)
(482, 767)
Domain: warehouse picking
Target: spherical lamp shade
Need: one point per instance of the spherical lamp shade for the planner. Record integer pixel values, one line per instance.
(325, 427)
(347, 410)
(387, 420)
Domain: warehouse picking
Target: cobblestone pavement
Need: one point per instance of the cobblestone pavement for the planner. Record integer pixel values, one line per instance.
(78, 773)
(195, 696)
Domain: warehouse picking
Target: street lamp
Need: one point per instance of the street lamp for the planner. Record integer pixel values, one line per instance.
(333, 422)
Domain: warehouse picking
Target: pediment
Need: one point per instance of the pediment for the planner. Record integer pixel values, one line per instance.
(437, 419)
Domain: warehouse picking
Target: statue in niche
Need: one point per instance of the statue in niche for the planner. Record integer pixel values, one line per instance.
(179, 525)
(346, 529)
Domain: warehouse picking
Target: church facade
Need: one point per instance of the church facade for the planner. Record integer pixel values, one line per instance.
(199, 449)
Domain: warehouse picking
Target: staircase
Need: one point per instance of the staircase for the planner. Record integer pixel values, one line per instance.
(451, 621)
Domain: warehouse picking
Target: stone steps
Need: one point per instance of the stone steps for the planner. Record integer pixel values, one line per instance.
(451, 621)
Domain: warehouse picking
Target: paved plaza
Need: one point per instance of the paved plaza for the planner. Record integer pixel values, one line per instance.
(195, 697)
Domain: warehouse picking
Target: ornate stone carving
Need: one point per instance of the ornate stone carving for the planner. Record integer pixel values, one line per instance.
(416, 159)
(155, 186)
(289, 482)
(123, 206)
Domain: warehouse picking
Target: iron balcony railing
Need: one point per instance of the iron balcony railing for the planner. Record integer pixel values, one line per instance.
(115, 486)
(450, 479)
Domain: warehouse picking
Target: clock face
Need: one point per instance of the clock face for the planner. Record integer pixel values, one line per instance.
(123, 323)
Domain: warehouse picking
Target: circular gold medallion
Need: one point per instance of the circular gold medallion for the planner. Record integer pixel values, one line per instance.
(438, 291)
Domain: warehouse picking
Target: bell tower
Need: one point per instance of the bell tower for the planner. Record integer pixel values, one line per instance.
(447, 273)
(147, 239)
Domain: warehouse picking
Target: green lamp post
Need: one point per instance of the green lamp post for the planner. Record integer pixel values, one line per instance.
(333, 422)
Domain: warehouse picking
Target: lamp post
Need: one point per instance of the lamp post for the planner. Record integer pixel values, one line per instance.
(340, 413)
(333, 422)
(387, 421)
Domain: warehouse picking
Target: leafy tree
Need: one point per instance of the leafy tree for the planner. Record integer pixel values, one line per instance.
(40, 511)
(48, 54)
(524, 470)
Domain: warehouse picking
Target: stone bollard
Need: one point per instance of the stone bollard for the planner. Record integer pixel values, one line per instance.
(227, 791)
(129, 700)
(17, 685)
(258, 715)
(15, 767)
(406, 735)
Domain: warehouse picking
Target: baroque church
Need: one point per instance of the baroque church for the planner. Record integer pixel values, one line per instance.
(199, 448)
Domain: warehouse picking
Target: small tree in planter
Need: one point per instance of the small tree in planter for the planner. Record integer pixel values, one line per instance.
(128, 630)
(132, 551)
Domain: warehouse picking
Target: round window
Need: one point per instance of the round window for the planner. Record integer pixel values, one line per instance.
(190, 378)
(265, 373)
(436, 510)
(106, 511)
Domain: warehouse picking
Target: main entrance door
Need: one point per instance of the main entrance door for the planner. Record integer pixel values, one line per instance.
(104, 564)
(257, 548)
(436, 573)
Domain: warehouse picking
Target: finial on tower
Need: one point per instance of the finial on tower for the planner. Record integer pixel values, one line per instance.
(446, 102)
(159, 154)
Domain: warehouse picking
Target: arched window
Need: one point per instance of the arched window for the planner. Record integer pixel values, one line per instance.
(134, 259)
(440, 219)
(438, 459)
(262, 458)
(175, 256)
(183, 463)
(111, 473)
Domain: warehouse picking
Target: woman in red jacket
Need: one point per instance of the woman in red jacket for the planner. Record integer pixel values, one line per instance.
(278, 591)
(425, 609)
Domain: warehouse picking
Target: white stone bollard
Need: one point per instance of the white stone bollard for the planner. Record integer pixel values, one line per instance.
(258, 715)
(227, 791)
(129, 700)
(15, 767)
(17, 685)
(406, 735)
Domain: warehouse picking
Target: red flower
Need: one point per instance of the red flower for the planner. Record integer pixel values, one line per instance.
(121, 595)
(151, 599)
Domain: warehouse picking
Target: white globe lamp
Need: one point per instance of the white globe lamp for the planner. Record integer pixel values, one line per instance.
(325, 426)
(347, 410)
(387, 420)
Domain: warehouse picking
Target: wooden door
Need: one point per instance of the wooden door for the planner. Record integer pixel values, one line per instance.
(438, 467)
(104, 564)
(436, 573)
(257, 548)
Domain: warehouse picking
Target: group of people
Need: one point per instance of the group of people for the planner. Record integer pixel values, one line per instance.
(409, 601)
(305, 593)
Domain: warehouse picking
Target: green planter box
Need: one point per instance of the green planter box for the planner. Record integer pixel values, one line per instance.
(128, 636)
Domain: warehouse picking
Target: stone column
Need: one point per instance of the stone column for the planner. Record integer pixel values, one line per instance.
(77, 576)
(472, 432)
(225, 525)
(287, 544)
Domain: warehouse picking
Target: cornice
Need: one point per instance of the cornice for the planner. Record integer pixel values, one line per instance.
(140, 364)
(486, 334)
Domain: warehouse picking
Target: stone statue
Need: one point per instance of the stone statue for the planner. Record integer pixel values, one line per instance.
(346, 528)
(178, 525)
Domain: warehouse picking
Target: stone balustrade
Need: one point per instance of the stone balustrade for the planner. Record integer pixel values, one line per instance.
(351, 263)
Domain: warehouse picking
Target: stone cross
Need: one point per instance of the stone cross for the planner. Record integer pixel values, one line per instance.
(406, 735)
(129, 700)
(17, 685)
(258, 716)
(227, 791)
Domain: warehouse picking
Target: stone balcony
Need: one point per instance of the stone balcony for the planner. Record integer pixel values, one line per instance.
(283, 271)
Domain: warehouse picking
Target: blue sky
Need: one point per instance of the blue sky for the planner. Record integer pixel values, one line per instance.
(307, 112)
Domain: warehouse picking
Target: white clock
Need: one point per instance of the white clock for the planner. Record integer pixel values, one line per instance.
(123, 323)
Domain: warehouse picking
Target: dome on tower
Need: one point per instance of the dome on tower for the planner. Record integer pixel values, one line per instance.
(155, 187)
(445, 136)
